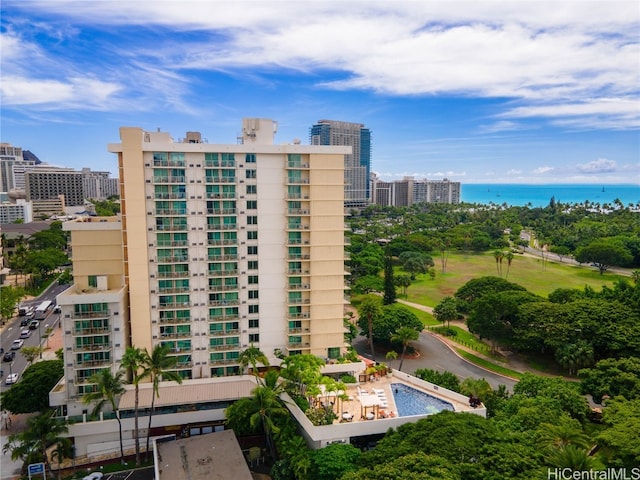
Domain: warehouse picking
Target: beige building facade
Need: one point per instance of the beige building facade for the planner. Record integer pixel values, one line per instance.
(231, 245)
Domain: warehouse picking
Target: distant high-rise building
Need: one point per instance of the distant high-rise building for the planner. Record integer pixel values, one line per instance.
(46, 182)
(357, 165)
(405, 192)
(98, 185)
(12, 167)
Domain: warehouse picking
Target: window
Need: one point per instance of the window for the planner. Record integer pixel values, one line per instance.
(252, 250)
(254, 308)
(252, 235)
(250, 158)
(254, 322)
(250, 174)
(252, 220)
(252, 204)
(253, 279)
(252, 189)
(254, 337)
(253, 294)
(333, 352)
(93, 281)
(252, 264)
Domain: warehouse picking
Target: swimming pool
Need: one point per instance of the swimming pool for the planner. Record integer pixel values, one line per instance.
(410, 401)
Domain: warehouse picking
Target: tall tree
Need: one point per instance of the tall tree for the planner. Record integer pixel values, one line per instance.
(133, 361)
(370, 309)
(404, 335)
(446, 310)
(158, 365)
(266, 406)
(604, 254)
(509, 256)
(42, 432)
(389, 284)
(108, 388)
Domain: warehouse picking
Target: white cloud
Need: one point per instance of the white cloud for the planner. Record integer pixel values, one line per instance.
(601, 165)
(542, 170)
(547, 58)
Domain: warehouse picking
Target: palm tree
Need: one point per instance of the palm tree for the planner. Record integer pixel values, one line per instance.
(252, 356)
(498, 255)
(574, 458)
(158, 366)
(370, 309)
(566, 432)
(42, 432)
(404, 335)
(133, 360)
(108, 387)
(475, 389)
(509, 256)
(266, 405)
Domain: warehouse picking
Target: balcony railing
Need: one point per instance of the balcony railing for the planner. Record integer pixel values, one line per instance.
(218, 348)
(222, 242)
(297, 211)
(299, 301)
(218, 258)
(176, 320)
(173, 274)
(220, 333)
(92, 347)
(222, 273)
(220, 179)
(91, 330)
(168, 179)
(222, 226)
(221, 211)
(220, 195)
(224, 318)
(91, 363)
(219, 163)
(173, 290)
(223, 361)
(219, 303)
(173, 196)
(175, 334)
(174, 305)
(94, 314)
(299, 286)
(298, 315)
(173, 243)
(173, 259)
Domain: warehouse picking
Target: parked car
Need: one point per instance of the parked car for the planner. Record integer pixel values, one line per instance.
(9, 356)
(93, 476)
(26, 333)
(12, 378)
(17, 344)
(33, 324)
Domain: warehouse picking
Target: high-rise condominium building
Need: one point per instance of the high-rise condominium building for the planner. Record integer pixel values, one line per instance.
(98, 185)
(228, 246)
(357, 165)
(12, 167)
(47, 182)
(405, 192)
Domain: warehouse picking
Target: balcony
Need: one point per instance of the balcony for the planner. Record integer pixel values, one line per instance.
(221, 195)
(224, 318)
(220, 179)
(173, 243)
(92, 363)
(298, 286)
(170, 305)
(223, 288)
(223, 303)
(297, 241)
(298, 345)
(171, 211)
(218, 348)
(169, 179)
(298, 315)
(222, 273)
(221, 211)
(223, 361)
(175, 320)
(175, 334)
(219, 258)
(297, 226)
(297, 181)
(298, 256)
(298, 271)
(172, 227)
(173, 259)
(299, 301)
(173, 274)
(297, 165)
(170, 196)
(219, 163)
(92, 347)
(173, 290)
(91, 330)
(221, 226)
(221, 242)
(221, 333)
(299, 330)
(96, 314)
(168, 163)
(297, 211)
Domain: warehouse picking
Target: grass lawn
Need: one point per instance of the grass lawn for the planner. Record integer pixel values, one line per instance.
(528, 272)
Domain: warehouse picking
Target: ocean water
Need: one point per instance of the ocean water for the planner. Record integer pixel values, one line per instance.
(540, 195)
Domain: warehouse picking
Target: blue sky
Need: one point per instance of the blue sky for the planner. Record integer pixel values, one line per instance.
(478, 92)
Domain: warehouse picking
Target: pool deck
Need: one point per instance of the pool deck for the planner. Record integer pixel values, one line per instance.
(370, 406)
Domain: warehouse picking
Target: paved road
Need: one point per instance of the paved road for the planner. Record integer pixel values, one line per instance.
(437, 355)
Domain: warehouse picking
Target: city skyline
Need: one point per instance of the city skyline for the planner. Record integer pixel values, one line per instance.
(477, 92)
